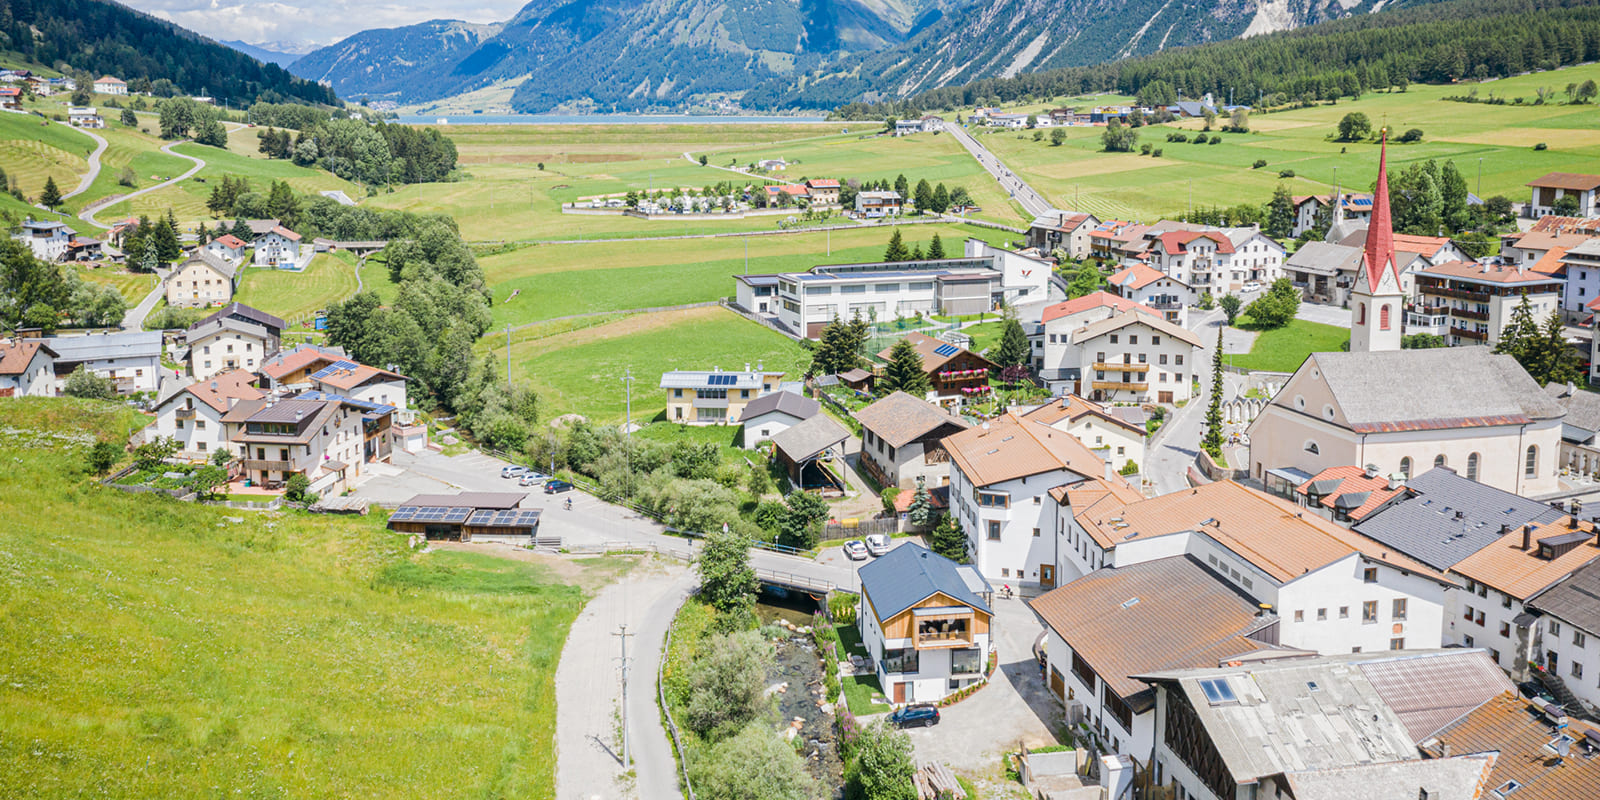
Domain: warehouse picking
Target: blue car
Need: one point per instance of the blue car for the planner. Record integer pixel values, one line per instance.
(911, 716)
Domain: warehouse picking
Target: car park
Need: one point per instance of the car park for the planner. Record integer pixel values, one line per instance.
(554, 487)
(855, 550)
(913, 716)
(877, 544)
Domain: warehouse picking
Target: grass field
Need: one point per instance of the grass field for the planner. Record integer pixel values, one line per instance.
(296, 296)
(1284, 349)
(561, 280)
(188, 199)
(1128, 186)
(156, 649)
(32, 151)
(581, 371)
(133, 286)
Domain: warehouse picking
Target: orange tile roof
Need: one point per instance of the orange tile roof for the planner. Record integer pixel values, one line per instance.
(230, 241)
(291, 362)
(216, 391)
(1520, 573)
(1010, 448)
(1513, 727)
(931, 360)
(350, 378)
(1419, 244)
(1495, 273)
(1178, 241)
(1137, 276)
(1567, 180)
(1352, 480)
(16, 356)
(1096, 300)
(1074, 408)
(1550, 262)
(1279, 538)
(1554, 224)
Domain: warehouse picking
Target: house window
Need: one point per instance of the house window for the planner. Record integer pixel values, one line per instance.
(1530, 464)
(1035, 533)
(1162, 359)
(1113, 338)
(1472, 467)
(1178, 359)
(1399, 608)
(1505, 630)
(994, 531)
(1311, 447)
(1396, 644)
(1299, 616)
(1555, 628)
(1577, 638)
(1405, 467)
(1577, 670)
(901, 660)
(1369, 611)
(1132, 339)
(1361, 313)
(1155, 340)
(1369, 575)
(1322, 614)
(1344, 612)
(1466, 613)
(179, 424)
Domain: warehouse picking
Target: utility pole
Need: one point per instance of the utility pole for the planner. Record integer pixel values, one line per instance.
(627, 389)
(1480, 179)
(622, 636)
(508, 356)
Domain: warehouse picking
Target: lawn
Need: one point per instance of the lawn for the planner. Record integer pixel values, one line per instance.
(561, 280)
(1129, 186)
(581, 371)
(154, 649)
(133, 286)
(1284, 349)
(858, 690)
(298, 296)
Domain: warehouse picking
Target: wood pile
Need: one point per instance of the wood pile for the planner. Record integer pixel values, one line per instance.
(936, 781)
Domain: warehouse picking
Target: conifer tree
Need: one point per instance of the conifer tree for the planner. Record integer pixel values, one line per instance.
(1519, 337)
(1556, 361)
(921, 511)
(1012, 350)
(1212, 439)
(904, 372)
(935, 249)
(50, 195)
(897, 248)
(949, 540)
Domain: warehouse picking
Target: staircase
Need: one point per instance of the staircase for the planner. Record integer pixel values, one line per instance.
(1563, 695)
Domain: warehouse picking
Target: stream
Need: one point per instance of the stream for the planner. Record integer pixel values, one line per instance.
(797, 672)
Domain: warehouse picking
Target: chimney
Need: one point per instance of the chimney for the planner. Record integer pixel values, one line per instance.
(1527, 537)
(1396, 483)
(1371, 471)
(1505, 529)
(1444, 750)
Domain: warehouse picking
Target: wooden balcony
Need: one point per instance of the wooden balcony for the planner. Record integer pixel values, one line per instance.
(184, 413)
(1459, 294)
(1108, 366)
(1466, 334)
(1462, 313)
(1115, 386)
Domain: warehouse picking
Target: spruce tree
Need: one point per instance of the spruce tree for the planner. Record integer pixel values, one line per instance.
(902, 186)
(941, 199)
(923, 197)
(241, 231)
(904, 372)
(1012, 350)
(1280, 214)
(921, 511)
(1554, 360)
(949, 540)
(1211, 442)
(1520, 336)
(935, 249)
(897, 248)
(50, 195)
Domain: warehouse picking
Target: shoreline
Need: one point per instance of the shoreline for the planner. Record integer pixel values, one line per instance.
(446, 120)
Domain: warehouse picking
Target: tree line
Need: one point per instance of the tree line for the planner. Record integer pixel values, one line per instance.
(371, 153)
(50, 295)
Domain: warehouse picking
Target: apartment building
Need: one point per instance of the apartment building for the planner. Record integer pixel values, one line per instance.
(1109, 348)
(1470, 303)
(715, 397)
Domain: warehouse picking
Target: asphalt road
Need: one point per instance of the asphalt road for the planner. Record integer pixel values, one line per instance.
(1172, 450)
(94, 162)
(1031, 201)
(97, 206)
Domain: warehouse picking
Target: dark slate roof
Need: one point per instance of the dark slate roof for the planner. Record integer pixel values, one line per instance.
(909, 574)
(244, 312)
(791, 403)
(1426, 526)
(810, 437)
(1575, 599)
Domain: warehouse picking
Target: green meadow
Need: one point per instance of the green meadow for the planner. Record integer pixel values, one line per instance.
(297, 296)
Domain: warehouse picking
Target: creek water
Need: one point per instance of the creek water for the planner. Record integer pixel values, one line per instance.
(797, 668)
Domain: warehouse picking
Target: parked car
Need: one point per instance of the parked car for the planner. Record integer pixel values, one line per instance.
(878, 544)
(554, 487)
(1252, 286)
(513, 471)
(911, 716)
(855, 550)
(531, 478)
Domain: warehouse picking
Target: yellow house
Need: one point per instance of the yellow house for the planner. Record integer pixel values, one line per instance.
(205, 279)
(698, 397)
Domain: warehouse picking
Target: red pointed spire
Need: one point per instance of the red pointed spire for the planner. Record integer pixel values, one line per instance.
(1380, 233)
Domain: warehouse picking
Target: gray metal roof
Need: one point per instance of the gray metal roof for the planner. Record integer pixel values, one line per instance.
(102, 346)
(713, 379)
(1575, 599)
(1583, 407)
(244, 312)
(204, 329)
(1323, 258)
(810, 437)
(795, 405)
(1447, 387)
(1447, 518)
(911, 573)
(292, 410)
(1458, 778)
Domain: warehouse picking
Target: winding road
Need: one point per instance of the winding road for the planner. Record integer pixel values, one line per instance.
(94, 161)
(100, 205)
(1031, 201)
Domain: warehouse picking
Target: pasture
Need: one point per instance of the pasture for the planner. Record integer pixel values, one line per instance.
(133, 286)
(297, 296)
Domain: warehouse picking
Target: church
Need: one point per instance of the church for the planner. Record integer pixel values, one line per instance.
(1407, 411)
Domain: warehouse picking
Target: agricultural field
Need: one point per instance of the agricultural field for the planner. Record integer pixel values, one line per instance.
(1130, 186)
(32, 150)
(561, 280)
(157, 649)
(297, 296)
(133, 286)
(580, 371)
(188, 198)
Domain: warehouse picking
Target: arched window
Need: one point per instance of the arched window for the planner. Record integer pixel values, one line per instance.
(1530, 465)
(1383, 317)
(1472, 467)
(1361, 313)
(1438, 460)
(1405, 467)
(1311, 447)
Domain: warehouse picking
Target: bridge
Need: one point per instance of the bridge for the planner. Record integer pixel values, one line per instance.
(795, 582)
(361, 249)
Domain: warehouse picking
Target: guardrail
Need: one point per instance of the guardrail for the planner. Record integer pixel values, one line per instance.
(797, 581)
(666, 713)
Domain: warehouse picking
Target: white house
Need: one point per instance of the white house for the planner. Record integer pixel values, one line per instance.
(279, 247)
(27, 369)
(106, 84)
(1151, 287)
(227, 344)
(926, 622)
(228, 247)
(1218, 261)
(132, 360)
(878, 204)
(805, 302)
(1112, 349)
(1570, 632)
(771, 413)
(321, 438)
(360, 382)
(900, 441)
(1023, 279)
(85, 117)
(1001, 475)
(47, 238)
(1556, 185)
(1116, 434)
(193, 415)
(1580, 265)
(203, 279)
(1404, 411)
(1062, 230)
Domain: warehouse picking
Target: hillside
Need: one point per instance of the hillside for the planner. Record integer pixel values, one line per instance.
(107, 38)
(157, 649)
(264, 55)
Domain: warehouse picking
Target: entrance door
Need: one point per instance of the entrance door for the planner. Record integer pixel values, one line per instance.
(900, 693)
(1164, 397)
(1047, 576)
(1058, 687)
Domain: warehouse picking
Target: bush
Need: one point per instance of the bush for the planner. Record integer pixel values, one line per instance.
(755, 763)
(1130, 468)
(103, 456)
(1288, 173)
(1541, 146)
(881, 767)
(1260, 162)
(889, 495)
(86, 384)
(1156, 153)
(1215, 140)
(842, 607)
(1410, 136)
(727, 684)
(297, 486)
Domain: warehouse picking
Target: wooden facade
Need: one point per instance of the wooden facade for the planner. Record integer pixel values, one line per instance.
(904, 624)
(1185, 735)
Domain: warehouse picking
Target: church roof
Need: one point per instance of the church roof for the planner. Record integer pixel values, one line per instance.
(1379, 251)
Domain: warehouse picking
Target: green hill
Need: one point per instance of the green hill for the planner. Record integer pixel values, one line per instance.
(157, 649)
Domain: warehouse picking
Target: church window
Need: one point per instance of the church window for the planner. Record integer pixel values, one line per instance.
(1311, 447)
(1405, 467)
(1438, 460)
(1361, 313)
(1472, 467)
(1530, 465)
(1383, 317)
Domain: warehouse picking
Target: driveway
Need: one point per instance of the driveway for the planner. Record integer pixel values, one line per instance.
(1015, 706)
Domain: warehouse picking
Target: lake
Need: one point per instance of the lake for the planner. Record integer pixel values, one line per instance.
(602, 119)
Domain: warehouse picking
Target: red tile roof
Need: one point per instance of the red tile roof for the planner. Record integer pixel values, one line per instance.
(1353, 480)
(1515, 728)
(1178, 241)
(1496, 273)
(16, 356)
(1137, 276)
(216, 391)
(1567, 180)
(293, 361)
(286, 233)
(1096, 300)
(230, 241)
(823, 183)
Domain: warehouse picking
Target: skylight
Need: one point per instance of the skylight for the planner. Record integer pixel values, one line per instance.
(1218, 691)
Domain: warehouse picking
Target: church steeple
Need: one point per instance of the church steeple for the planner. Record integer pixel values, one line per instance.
(1377, 301)
(1379, 254)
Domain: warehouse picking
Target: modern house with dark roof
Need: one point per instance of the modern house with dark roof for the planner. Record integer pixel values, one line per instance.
(255, 316)
(900, 437)
(1570, 635)
(926, 622)
(1405, 411)
(227, 343)
(767, 415)
(468, 517)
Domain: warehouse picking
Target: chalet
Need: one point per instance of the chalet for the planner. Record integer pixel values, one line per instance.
(85, 117)
(243, 313)
(106, 84)
(358, 381)
(954, 373)
(1471, 303)
(468, 517)
(292, 368)
(203, 279)
(900, 441)
(1549, 189)
(11, 98)
(823, 191)
(926, 622)
(27, 369)
(767, 415)
(321, 439)
(1146, 285)
(1062, 230)
(279, 248)
(1112, 348)
(785, 194)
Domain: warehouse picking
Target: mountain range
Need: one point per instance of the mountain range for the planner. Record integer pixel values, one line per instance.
(280, 53)
(639, 55)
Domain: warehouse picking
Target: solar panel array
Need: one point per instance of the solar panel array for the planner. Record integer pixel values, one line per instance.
(334, 367)
(721, 380)
(442, 514)
(505, 518)
(945, 350)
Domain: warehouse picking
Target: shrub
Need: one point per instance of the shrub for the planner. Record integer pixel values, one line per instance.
(888, 495)
(1541, 146)
(1144, 149)
(1156, 153)
(1260, 162)
(1288, 173)
(297, 486)
(1410, 136)
(1130, 468)
(842, 607)
(727, 684)
(103, 456)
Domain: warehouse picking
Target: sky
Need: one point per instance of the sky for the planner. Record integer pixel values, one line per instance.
(314, 22)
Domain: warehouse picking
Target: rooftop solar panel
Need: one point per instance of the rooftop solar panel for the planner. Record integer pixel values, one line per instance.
(721, 380)
(945, 350)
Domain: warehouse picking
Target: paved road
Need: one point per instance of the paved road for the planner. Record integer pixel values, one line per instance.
(133, 319)
(1033, 202)
(739, 171)
(96, 207)
(94, 162)
(1172, 450)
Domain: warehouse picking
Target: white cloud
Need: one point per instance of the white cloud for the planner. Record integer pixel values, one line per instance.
(310, 22)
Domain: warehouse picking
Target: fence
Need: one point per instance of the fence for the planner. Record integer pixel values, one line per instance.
(666, 712)
(247, 505)
(866, 527)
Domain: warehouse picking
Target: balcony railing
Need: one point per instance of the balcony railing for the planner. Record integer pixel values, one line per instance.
(1119, 385)
(1459, 294)
(255, 465)
(184, 413)
(1477, 336)
(1111, 366)
(1432, 311)
(1480, 316)
(943, 639)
